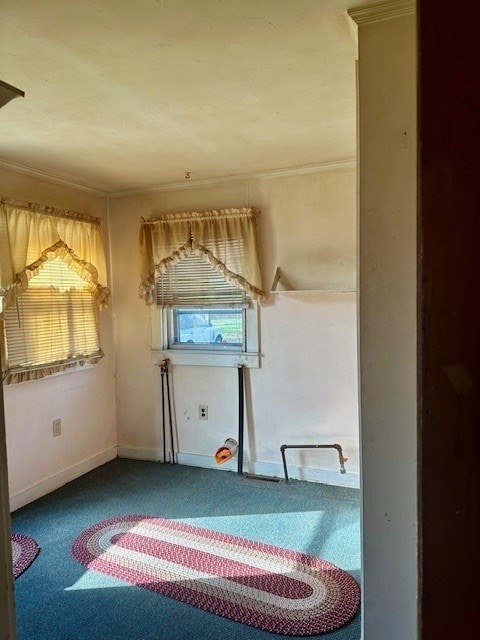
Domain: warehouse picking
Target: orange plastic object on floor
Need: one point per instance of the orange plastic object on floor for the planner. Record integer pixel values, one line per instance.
(226, 451)
(222, 455)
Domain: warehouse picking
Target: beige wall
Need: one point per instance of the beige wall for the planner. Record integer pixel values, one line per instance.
(387, 283)
(308, 228)
(83, 399)
(306, 389)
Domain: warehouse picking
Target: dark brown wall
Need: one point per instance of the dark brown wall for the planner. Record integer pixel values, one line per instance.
(449, 291)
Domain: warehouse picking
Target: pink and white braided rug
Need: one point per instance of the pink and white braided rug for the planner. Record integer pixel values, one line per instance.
(258, 584)
(24, 552)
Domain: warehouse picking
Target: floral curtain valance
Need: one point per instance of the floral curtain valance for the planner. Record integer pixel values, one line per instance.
(227, 238)
(31, 234)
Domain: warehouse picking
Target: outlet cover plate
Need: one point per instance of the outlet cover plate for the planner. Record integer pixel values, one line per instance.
(57, 428)
(203, 411)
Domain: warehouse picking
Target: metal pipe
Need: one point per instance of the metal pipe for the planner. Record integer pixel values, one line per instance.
(172, 442)
(338, 448)
(163, 415)
(241, 421)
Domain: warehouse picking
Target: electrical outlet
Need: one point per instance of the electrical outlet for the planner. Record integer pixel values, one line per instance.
(57, 428)
(203, 411)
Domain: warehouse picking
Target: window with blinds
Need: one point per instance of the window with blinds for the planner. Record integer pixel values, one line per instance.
(54, 322)
(194, 283)
(206, 310)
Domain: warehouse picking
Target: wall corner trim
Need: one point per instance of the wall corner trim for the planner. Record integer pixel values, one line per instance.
(380, 11)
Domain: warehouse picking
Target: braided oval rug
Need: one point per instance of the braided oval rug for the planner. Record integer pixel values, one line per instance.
(24, 552)
(258, 584)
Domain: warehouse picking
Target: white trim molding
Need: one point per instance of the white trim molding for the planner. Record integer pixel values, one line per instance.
(269, 469)
(379, 11)
(347, 163)
(56, 481)
(191, 358)
(50, 177)
(342, 164)
(7, 598)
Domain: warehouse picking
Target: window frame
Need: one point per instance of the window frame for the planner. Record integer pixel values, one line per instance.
(205, 355)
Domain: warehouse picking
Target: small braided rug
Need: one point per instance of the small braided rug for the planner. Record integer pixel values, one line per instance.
(258, 584)
(24, 552)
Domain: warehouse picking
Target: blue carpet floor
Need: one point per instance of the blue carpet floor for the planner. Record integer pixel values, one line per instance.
(58, 599)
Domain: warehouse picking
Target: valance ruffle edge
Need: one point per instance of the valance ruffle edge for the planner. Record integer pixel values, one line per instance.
(15, 377)
(147, 287)
(84, 269)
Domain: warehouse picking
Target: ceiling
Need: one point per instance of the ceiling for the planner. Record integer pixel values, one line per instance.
(130, 95)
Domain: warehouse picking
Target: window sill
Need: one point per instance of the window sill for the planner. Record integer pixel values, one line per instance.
(287, 292)
(197, 358)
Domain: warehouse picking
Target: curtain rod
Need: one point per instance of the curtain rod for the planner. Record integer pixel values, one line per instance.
(199, 215)
(49, 211)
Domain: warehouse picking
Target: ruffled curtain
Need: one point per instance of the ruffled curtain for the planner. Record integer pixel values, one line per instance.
(42, 372)
(31, 234)
(227, 238)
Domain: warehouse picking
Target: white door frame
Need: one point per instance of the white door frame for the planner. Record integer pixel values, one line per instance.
(7, 603)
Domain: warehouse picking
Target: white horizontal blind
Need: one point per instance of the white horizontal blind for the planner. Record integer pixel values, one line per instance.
(194, 283)
(55, 321)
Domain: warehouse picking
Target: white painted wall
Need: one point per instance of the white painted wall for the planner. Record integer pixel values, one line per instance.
(387, 130)
(306, 389)
(83, 399)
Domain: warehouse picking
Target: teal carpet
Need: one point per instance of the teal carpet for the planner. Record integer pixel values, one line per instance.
(58, 599)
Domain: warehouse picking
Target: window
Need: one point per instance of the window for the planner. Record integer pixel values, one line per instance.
(54, 323)
(192, 323)
(52, 287)
(223, 328)
(206, 310)
(238, 329)
(204, 279)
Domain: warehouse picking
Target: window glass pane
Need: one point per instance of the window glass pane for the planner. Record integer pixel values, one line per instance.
(218, 327)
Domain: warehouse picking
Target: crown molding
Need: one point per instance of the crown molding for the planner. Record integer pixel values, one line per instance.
(348, 163)
(50, 177)
(367, 14)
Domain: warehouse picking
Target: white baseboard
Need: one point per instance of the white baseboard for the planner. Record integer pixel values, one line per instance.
(140, 453)
(48, 485)
(324, 476)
